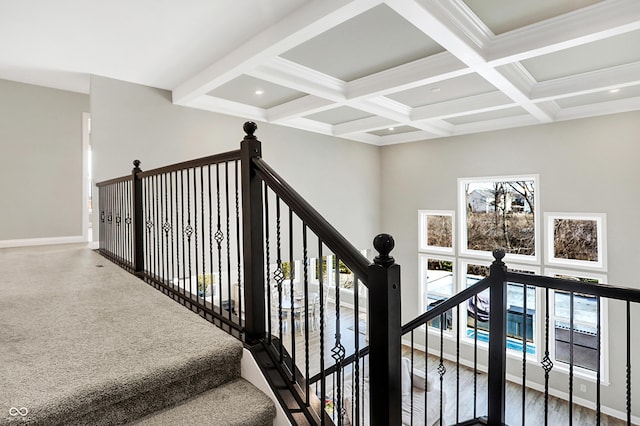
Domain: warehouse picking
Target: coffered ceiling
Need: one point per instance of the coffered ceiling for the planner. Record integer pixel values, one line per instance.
(386, 72)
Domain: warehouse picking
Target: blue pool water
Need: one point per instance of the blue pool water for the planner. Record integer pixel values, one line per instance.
(515, 345)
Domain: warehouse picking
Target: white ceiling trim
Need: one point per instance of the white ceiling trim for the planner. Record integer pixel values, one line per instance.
(305, 23)
(595, 81)
(597, 22)
(295, 76)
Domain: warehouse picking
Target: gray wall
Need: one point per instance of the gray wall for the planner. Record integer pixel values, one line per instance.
(339, 178)
(40, 161)
(588, 165)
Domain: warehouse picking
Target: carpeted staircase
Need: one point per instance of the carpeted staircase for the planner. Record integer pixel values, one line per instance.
(82, 342)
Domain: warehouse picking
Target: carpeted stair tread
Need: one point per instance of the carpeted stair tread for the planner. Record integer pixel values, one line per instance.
(85, 342)
(237, 403)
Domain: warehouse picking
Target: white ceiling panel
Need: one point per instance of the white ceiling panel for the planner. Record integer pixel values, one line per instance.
(601, 54)
(501, 16)
(339, 115)
(442, 91)
(374, 41)
(255, 92)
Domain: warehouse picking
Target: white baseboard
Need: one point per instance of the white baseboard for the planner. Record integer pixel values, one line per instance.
(251, 373)
(26, 242)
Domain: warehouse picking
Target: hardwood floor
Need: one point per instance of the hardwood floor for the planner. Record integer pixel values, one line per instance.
(307, 358)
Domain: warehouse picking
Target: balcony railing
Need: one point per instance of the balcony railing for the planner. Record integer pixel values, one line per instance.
(230, 239)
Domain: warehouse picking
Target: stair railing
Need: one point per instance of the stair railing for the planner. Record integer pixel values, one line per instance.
(222, 235)
(230, 239)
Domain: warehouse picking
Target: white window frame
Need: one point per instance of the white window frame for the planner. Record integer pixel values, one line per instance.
(601, 223)
(422, 261)
(462, 209)
(423, 228)
(581, 372)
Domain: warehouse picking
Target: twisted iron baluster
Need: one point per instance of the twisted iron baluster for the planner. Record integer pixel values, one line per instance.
(338, 350)
(306, 311)
(278, 274)
(546, 363)
(219, 237)
(211, 237)
(628, 363)
(323, 384)
(441, 368)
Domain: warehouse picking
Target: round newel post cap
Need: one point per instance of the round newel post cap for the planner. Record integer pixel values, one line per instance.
(498, 254)
(136, 166)
(384, 243)
(250, 128)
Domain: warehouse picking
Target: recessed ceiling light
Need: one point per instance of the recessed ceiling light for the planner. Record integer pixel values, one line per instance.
(614, 90)
(259, 92)
(435, 89)
(391, 129)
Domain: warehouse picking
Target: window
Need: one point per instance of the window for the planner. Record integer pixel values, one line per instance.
(576, 239)
(585, 322)
(436, 230)
(520, 328)
(499, 212)
(437, 284)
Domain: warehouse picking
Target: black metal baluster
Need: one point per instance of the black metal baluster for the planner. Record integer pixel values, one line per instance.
(323, 378)
(338, 350)
(356, 328)
(475, 357)
(156, 228)
(278, 275)
(524, 353)
(213, 282)
(411, 387)
(547, 364)
(172, 273)
(127, 222)
(599, 349)
(571, 307)
(628, 363)
(189, 232)
(149, 224)
(457, 364)
(202, 233)
(219, 236)
(116, 233)
(163, 228)
(182, 234)
(305, 259)
(195, 234)
(426, 362)
(441, 368)
(265, 197)
(292, 272)
(238, 243)
(226, 192)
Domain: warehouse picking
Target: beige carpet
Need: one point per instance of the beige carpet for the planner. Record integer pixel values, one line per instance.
(80, 335)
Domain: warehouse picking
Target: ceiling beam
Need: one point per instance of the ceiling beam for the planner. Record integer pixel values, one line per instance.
(305, 23)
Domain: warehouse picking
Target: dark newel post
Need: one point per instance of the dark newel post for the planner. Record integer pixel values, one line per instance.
(253, 240)
(385, 336)
(138, 221)
(497, 340)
